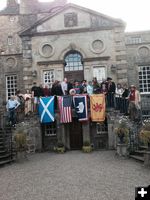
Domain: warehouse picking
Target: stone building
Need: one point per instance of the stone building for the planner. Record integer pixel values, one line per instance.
(43, 42)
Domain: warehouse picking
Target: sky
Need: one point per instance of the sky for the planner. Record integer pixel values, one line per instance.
(136, 13)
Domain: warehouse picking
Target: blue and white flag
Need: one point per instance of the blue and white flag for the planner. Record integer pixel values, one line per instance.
(46, 109)
(80, 104)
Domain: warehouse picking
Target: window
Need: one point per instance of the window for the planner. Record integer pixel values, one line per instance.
(12, 18)
(99, 72)
(134, 40)
(101, 128)
(50, 129)
(10, 40)
(73, 62)
(144, 79)
(48, 77)
(11, 85)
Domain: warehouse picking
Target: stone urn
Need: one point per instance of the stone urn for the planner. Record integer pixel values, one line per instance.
(145, 137)
(122, 149)
(87, 147)
(147, 157)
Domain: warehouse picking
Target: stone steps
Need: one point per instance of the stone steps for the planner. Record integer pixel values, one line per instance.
(5, 162)
(5, 151)
(138, 158)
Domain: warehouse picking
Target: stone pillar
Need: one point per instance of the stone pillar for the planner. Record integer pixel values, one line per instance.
(147, 159)
(111, 134)
(86, 131)
(27, 62)
(61, 133)
(121, 58)
(67, 136)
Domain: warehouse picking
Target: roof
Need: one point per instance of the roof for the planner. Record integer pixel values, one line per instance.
(11, 9)
(117, 22)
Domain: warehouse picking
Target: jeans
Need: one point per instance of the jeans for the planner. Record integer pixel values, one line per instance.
(12, 116)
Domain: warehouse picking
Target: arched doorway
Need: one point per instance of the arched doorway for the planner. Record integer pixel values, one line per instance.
(73, 67)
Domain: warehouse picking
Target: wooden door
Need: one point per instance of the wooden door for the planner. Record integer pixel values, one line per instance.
(76, 137)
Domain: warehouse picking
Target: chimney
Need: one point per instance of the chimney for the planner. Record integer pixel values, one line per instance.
(11, 3)
(28, 6)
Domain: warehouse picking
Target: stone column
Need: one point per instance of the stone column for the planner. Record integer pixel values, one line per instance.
(111, 135)
(86, 131)
(121, 58)
(27, 62)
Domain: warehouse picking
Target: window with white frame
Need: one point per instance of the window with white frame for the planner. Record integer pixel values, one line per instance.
(99, 72)
(48, 77)
(11, 85)
(144, 79)
(73, 61)
(134, 40)
(50, 129)
(101, 128)
(10, 40)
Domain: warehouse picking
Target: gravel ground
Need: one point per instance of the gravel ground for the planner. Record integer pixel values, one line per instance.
(72, 176)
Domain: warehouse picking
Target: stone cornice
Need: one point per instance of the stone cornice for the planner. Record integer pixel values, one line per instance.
(47, 62)
(66, 31)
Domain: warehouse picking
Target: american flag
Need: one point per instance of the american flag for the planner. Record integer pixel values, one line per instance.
(65, 109)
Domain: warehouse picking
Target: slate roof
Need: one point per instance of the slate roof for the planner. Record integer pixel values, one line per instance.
(12, 9)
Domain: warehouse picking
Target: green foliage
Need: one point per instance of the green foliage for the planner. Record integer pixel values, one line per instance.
(122, 131)
(86, 143)
(20, 140)
(145, 133)
(60, 144)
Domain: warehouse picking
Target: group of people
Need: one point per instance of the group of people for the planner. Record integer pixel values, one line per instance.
(126, 100)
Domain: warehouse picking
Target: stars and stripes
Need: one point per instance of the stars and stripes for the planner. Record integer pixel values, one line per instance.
(65, 103)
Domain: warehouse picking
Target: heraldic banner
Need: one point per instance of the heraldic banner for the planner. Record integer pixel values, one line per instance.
(98, 108)
(46, 109)
(65, 103)
(80, 104)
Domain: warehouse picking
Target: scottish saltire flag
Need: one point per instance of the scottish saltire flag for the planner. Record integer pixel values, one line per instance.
(80, 104)
(46, 109)
(97, 106)
(64, 103)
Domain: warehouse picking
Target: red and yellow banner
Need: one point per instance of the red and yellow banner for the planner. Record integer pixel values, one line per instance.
(98, 108)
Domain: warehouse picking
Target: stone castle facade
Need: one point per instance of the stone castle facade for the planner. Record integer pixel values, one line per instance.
(37, 40)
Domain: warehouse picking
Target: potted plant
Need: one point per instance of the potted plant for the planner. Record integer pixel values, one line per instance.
(145, 134)
(145, 138)
(60, 148)
(86, 147)
(122, 133)
(20, 144)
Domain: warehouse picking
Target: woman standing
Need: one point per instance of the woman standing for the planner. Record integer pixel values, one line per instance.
(28, 102)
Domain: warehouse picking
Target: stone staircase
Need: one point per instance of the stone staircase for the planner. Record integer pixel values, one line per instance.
(139, 154)
(5, 146)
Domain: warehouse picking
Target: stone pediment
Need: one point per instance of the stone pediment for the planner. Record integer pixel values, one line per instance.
(73, 17)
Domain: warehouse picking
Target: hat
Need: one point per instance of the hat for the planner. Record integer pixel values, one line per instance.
(72, 92)
(133, 86)
(109, 78)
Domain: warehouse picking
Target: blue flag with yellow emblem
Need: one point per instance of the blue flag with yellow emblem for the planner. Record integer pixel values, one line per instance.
(46, 109)
(80, 104)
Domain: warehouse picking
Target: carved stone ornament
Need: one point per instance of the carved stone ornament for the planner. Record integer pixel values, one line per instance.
(97, 21)
(46, 50)
(97, 46)
(11, 62)
(70, 19)
(144, 51)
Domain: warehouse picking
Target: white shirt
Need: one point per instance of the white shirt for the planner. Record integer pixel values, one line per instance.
(12, 104)
(64, 87)
(119, 92)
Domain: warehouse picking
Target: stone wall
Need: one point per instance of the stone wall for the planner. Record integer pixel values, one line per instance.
(138, 53)
(32, 128)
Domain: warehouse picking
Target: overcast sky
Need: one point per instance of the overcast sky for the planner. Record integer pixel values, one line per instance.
(136, 13)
